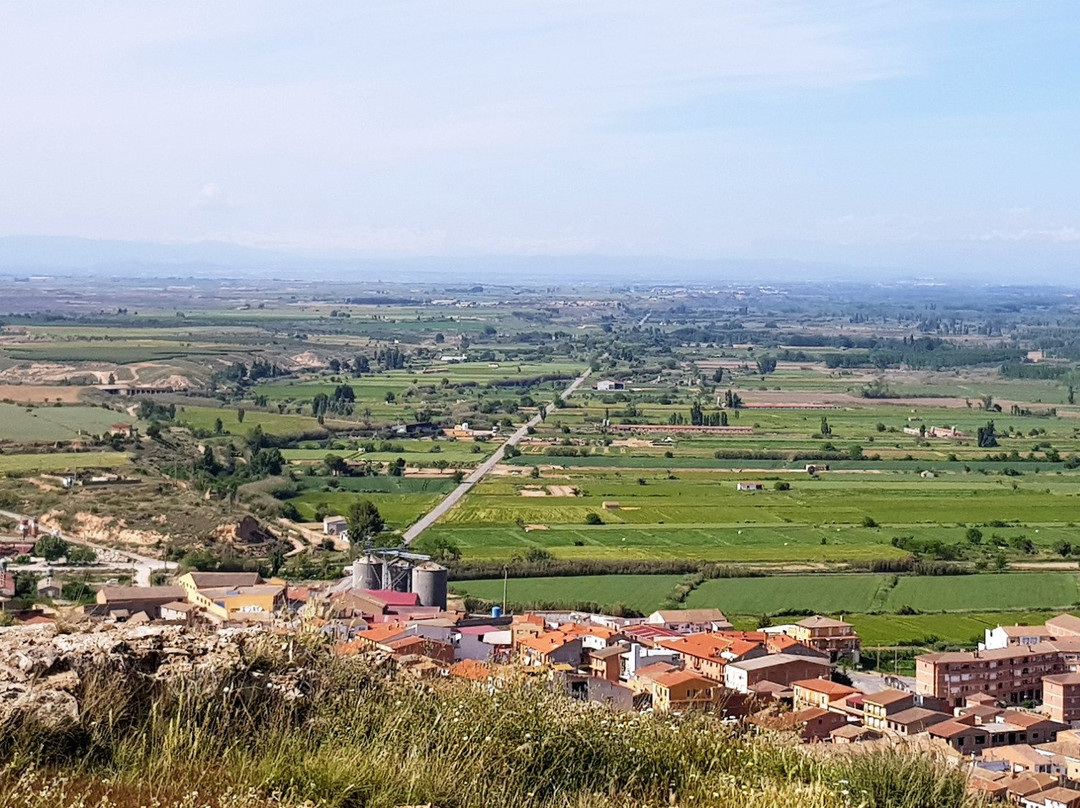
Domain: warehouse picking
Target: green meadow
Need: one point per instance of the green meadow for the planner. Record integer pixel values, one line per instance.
(45, 424)
(642, 592)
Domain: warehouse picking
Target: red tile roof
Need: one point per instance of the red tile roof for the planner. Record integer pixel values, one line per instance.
(710, 646)
(392, 597)
(675, 678)
(834, 690)
(470, 669)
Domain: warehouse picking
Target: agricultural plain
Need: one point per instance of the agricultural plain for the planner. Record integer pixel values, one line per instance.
(905, 455)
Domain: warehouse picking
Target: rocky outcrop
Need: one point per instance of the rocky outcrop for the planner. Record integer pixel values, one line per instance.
(43, 669)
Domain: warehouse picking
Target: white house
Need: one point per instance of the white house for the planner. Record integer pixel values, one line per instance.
(1005, 636)
(690, 621)
(335, 525)
(610, 384)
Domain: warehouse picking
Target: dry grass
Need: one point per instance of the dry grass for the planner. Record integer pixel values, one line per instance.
(343, 733)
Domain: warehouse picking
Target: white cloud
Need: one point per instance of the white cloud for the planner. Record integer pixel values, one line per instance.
(211, 196)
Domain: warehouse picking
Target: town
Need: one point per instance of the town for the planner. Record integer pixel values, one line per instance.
(1006, 713)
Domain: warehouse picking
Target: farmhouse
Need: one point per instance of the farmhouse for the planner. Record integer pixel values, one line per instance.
(750, 486)
(48, 587)
(610, 384)
(335, 526)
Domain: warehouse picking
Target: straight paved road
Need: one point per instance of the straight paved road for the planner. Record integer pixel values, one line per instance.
(452, 499)
(142, 566)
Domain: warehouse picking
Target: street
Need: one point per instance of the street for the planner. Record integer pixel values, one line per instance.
(141, 567)
(436, 513)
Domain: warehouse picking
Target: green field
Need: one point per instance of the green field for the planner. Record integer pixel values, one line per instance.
(117, 351)
(60, 462)
(829, 594)
(505, 379)
(415, 452)
(204, 418)
(926, 629)
(642, 592)
(838, 594)
(866, 593)
(701, 514)
(703, 542)
(41, 424)
(712, 499)
(398, 510)
(383, 484)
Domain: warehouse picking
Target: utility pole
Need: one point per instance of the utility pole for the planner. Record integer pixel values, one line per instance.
(506, 575)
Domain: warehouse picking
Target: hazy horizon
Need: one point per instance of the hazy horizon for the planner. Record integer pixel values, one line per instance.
(911, 139)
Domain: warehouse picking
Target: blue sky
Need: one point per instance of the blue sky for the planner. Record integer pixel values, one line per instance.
(921, 135)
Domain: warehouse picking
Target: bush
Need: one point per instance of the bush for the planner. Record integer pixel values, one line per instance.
(593, 519)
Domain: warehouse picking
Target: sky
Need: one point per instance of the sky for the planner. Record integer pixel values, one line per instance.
(930, 136)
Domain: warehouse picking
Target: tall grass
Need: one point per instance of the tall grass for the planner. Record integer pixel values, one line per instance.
(298, 726)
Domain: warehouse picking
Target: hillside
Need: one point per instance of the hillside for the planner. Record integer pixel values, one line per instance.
(158, 716)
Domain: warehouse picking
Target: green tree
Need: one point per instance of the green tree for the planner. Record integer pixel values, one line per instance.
(266, 463)
(974, 535)
(766, 365)
(50, 548)
(592, 518)
(335, 465)
(364, 521)
(987, 436)
(443, 549)
(77, 554)
(240, 412)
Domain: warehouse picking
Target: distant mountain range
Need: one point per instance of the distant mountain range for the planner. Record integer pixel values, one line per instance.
(55, 255)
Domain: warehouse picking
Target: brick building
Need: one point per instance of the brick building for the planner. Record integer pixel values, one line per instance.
(834, 637)
(1061, 697)
(1012, 674)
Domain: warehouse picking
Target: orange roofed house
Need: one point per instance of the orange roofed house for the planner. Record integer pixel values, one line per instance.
(834, 637)
(569, 644)
(683, 690)
(819, 693)
(709, 654)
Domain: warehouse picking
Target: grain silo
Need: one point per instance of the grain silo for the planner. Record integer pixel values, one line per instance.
(429, 582)
(367, 572)
(396, 574)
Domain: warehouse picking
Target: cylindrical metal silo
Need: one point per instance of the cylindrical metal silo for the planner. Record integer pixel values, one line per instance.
(429, 582)
(367, 573)
(399, 574)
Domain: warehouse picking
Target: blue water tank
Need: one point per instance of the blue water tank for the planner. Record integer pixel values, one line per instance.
(496, 611)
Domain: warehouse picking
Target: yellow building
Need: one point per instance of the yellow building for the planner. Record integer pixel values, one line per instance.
(227, 602)
(226, 594)
(684, 690)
